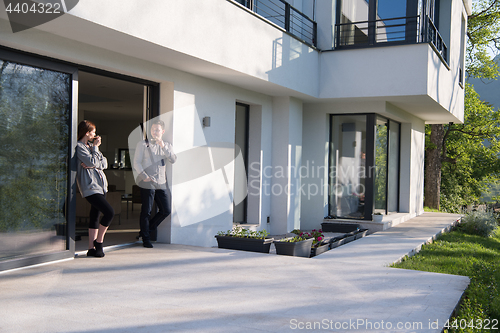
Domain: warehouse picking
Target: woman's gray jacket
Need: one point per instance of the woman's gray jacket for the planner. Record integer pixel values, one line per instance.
(91, 181)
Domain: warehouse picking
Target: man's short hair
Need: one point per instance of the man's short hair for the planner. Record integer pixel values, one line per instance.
(158, 122)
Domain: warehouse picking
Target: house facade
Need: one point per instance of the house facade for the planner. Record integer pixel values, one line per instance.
(283, 114)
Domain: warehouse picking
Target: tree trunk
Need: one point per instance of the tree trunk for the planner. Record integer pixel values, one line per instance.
(432, 183)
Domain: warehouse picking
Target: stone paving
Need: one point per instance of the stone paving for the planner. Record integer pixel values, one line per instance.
(178, 288)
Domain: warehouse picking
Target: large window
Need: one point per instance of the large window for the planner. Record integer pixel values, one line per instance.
(371, 22)
(364, 166)
(34, 136)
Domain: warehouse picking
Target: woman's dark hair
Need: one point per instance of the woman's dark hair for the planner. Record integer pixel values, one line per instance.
(83, 127)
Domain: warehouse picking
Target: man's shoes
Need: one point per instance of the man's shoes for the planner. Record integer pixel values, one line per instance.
(147, 243)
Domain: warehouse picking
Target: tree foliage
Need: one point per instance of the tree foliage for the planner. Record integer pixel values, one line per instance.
(468, 153)
(483, 38)
(34, 108)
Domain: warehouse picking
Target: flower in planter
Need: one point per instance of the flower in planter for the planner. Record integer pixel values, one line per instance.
(244, 233)
(316, 234)
(294, 239)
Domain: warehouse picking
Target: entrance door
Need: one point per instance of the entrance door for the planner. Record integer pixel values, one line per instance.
(240, 179)
(117, 106)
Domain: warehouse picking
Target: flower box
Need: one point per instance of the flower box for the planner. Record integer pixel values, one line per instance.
(360, 233)
(339, 227)
(244, 244)
(320, 249)
(349, 239)
(336, 242)
(297, 249)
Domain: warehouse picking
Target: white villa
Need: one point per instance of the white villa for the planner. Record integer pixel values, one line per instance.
(283, 113)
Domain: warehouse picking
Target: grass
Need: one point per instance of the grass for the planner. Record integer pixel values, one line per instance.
(478, 258)
(431, 210)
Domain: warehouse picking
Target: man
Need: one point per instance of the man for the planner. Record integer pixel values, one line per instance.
(150, 168)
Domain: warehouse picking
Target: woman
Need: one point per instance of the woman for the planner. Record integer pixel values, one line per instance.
(93, 185)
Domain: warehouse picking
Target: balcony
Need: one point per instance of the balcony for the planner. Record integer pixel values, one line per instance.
(282, 14)
(391, 31)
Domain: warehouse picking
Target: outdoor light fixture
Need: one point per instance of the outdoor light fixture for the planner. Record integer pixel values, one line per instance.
(206, 121)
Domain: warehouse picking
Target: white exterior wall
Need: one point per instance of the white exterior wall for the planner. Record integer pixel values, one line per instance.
(394, 74)
(286, 160)
(314, 171)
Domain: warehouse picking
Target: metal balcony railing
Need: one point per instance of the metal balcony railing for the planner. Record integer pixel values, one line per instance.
(402, 30)
(285, 16)
(435, 38)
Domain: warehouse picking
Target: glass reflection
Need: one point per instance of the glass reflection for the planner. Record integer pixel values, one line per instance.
(380, 174)
(354, 22)
(347, 166)
(393, 168)
(391, 20)
(34, 108)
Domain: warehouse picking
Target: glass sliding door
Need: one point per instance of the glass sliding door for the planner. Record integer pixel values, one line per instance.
(380, 171)
(35, 108)
(347, 166)
(393, 167)
(390, 21)
(371, 22)
(353, 27)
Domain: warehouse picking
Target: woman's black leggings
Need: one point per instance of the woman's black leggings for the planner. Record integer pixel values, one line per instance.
(99, 205)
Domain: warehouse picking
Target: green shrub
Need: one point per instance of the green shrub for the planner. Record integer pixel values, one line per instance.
(479, 223)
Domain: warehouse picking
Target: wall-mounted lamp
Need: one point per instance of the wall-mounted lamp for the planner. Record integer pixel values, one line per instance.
(206, 121)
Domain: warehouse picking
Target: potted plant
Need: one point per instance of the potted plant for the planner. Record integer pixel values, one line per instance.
(318, 246)
(298, 246)
(244, 240)
(377, 217)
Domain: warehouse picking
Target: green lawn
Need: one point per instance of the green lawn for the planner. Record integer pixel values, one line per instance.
(473, 256)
